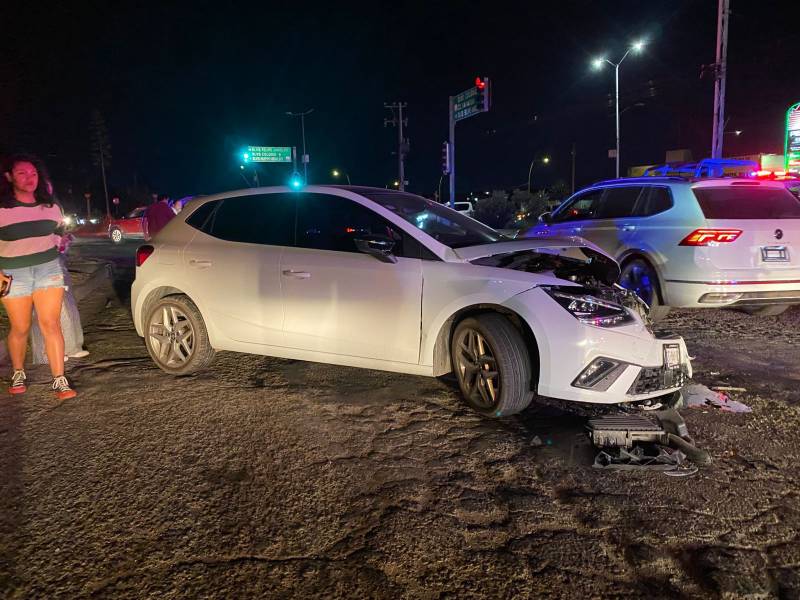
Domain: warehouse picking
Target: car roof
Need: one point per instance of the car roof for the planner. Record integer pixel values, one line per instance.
(692, 181)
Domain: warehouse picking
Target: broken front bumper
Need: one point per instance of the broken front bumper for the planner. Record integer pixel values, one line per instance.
(634, 364)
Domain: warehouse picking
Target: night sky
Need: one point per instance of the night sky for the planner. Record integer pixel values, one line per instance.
(184, 86)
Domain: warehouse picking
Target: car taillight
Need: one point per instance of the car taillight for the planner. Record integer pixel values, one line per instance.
(704, 237)
(142, 254)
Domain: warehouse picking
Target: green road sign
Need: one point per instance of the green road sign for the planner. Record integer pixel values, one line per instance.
(269, 154)
(472, 101)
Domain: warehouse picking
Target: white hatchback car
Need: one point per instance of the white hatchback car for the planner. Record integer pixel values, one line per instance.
(387, 280)
(692, 243)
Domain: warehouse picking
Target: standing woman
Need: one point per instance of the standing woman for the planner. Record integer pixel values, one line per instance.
(29, 263)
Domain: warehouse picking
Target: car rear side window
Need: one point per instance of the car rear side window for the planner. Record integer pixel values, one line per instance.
(654, 200)
(199, 217)
(260, 219)
(326, 222)
(747, 202)
(619, 202)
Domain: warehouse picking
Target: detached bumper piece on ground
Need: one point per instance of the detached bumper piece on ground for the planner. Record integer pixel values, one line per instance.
(659, 441)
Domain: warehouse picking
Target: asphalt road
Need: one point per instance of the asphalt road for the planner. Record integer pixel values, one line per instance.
(263, 477)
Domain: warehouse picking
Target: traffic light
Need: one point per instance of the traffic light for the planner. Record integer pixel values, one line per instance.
(446, 166)
(482, 89)
(296, 182)
(245, 157)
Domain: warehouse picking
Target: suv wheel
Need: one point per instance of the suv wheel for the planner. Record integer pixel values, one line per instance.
(492, 365)
(116, 235)
(176, 336)
(639, 276)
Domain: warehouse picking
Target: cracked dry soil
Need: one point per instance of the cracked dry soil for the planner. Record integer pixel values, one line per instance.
(273, 478)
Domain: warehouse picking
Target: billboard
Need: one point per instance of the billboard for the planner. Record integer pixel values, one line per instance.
(792, 147)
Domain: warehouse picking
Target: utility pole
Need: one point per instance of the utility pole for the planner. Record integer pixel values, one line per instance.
(305, 158)
(720, 72)
(402, 143)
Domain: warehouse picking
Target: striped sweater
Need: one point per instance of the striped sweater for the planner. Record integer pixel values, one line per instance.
(28, 234)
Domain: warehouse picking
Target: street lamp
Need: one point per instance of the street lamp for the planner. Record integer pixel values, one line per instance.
(598, 63)
(336, 173)
(545, 161)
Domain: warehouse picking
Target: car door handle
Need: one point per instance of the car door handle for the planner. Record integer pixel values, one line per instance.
(296, 274)
(577, 229)
(628, 227)
(200, 264)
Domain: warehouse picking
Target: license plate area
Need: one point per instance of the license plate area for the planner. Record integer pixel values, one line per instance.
(774, 254)
(672, 355)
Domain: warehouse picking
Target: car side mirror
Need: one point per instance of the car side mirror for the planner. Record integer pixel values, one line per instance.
(546, 217)
(377, 245)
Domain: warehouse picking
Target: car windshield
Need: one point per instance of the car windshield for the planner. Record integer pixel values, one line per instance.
(440, 222)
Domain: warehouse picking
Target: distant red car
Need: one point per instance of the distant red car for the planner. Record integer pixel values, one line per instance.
(130, 226)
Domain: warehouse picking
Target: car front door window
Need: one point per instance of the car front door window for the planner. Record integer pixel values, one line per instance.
(580, 208)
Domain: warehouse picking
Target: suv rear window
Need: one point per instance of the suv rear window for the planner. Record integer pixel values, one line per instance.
(747, 202)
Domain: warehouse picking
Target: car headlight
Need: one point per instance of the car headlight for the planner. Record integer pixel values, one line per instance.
(589, 309)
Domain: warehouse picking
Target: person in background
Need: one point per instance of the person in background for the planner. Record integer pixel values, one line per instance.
(31, 269)
(71, 326)
(156, 216)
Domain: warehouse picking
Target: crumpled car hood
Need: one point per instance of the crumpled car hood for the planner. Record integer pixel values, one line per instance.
(573, 259)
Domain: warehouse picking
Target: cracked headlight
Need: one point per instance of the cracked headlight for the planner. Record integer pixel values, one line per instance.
(589, 309)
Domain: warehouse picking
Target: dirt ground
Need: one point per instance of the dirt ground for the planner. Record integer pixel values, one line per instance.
(274, 478)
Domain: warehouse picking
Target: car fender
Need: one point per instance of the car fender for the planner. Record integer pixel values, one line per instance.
(142, 294)
(449, 288)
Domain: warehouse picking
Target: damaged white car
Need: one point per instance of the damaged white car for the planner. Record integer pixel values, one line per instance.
(387, 280)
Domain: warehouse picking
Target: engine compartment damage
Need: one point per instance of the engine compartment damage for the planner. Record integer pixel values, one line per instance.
(596, 273)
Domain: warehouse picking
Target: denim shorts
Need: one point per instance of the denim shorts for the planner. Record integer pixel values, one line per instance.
(26, 280)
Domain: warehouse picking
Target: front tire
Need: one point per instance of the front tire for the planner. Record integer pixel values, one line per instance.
(492, 364)
(176, 336)
(639, 276)
(116, 235)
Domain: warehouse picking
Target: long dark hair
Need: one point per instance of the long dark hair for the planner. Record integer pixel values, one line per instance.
(42, 195)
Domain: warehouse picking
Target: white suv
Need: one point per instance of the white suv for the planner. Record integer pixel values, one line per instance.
(692, 242)
(386, 280)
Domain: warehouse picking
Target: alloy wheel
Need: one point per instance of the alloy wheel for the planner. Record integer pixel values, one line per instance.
(477, 368)
(171, 336)
(116, 235)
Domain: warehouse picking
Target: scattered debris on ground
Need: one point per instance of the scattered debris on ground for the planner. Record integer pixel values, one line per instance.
(698, 395)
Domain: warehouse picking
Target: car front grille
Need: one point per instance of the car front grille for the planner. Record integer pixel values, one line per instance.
(653, 379)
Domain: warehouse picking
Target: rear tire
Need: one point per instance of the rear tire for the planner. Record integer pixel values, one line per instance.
(639, 276)
(176, 336)
(770, 310)
(492, 365)
(116, 235)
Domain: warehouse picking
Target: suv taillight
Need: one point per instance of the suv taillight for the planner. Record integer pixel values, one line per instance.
(704, 237)
(142, 254)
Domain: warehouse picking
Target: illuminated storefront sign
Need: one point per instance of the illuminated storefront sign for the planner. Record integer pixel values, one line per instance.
(792, 149)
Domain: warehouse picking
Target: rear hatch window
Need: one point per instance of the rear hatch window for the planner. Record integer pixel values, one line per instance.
(747, 202)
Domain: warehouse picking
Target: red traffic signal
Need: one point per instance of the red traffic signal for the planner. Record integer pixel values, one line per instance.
(482, 90)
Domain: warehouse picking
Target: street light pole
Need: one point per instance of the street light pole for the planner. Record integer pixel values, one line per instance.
(545, 161)
(302, 116)
(598, 63)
